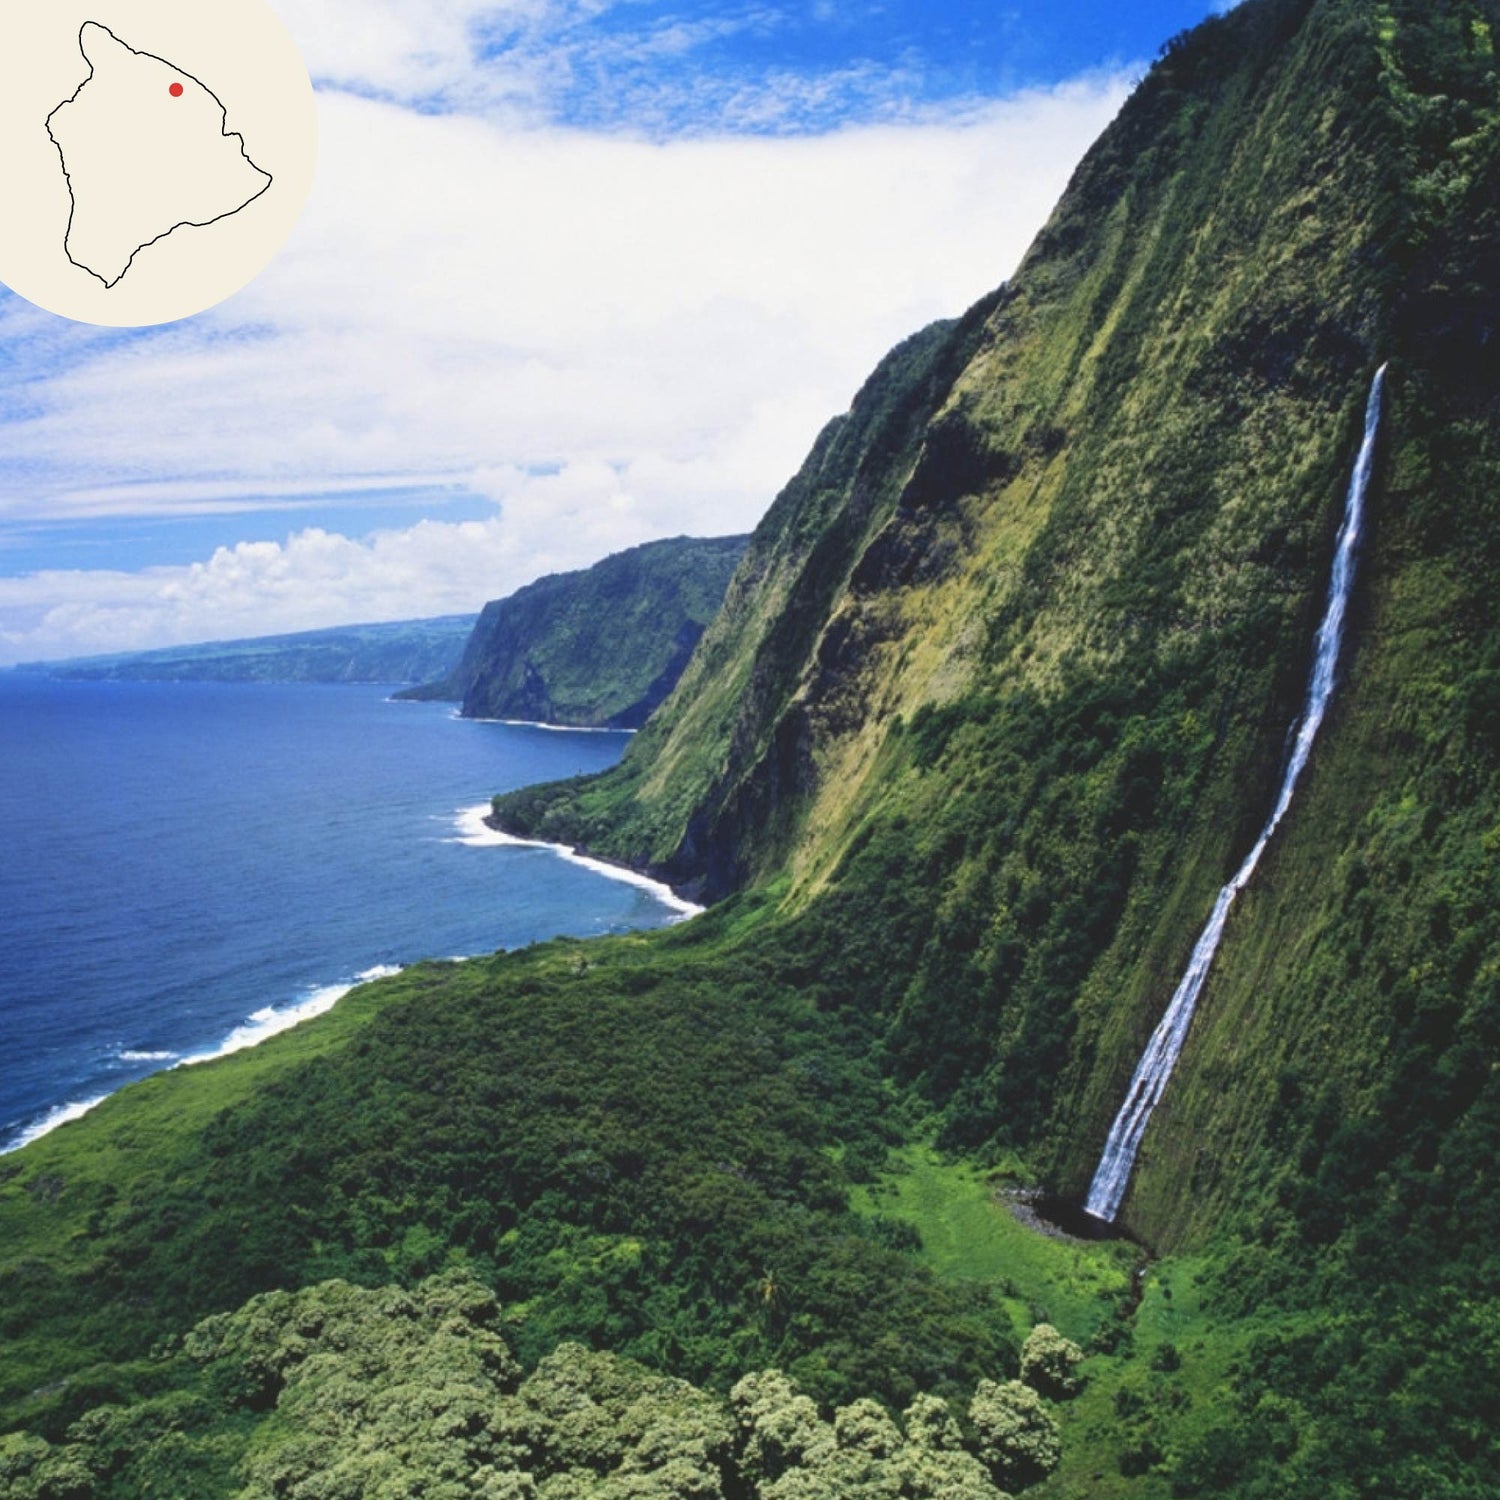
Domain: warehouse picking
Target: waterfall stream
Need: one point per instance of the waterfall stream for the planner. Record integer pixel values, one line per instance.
(1160, 1056)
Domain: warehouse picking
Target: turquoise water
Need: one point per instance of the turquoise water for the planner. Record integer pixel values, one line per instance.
(189, 867)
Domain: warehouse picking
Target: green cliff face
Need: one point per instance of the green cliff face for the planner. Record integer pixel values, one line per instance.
(1035, 618)
(599, 648)
(997, 699)
(713, 787)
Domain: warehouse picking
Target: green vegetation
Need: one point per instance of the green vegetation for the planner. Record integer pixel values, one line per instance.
(1049, 1362)
(599, 648)
(1015, 749)
(996, 700)
(1018, 1436)
(707, 794)
(336, 1391)
(406, 651)
(967, 1230)
(632, 1142)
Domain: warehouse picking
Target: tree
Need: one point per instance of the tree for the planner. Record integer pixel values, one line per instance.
(789, 1453)
(338, 1392)
(779, 1427)
(1049, 1363)
(1018, 1436)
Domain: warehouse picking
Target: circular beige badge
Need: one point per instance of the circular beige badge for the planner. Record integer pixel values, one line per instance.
(154, 154)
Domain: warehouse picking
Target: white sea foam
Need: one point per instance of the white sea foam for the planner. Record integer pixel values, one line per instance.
(477, 834)
(50, 1121)
(272, 1020)
(551, 728)
(261, 1025)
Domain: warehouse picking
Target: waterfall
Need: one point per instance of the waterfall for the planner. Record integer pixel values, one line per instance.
(1160, 1056)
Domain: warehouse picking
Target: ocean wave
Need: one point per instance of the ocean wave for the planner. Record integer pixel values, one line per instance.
(259, 1027)
(477, 834)
(271, 1020)
(50, 1121)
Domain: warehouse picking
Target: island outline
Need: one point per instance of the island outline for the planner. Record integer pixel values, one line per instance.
(225, 132)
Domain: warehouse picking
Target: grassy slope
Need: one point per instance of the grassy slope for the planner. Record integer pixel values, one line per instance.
(59, 1196)
(631, 1139)
(970, 1234)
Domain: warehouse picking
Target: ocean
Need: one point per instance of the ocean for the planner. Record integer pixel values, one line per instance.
(191, 867)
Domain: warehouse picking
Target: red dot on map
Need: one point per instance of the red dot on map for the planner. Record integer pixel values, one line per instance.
(175, 91)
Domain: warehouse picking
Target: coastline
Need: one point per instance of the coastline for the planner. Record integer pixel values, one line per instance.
(475, 829)
(459, 715)
(478, 828)
(62, 1114)
(260, 1026)
(550, 728)
(126, 1059)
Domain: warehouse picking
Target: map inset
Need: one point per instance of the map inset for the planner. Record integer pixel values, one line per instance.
(155, 155)
(147, 150)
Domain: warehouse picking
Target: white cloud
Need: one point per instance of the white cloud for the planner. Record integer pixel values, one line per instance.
(317, 578)
(615, 339)
(615, 63)
(408, 49)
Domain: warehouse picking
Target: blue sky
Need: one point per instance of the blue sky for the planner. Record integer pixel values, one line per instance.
(681, 66)
(576, 273)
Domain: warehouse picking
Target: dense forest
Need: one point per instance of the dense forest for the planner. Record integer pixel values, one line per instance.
(998, 697)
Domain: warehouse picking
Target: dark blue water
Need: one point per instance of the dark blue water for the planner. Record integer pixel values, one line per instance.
(191, 865)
